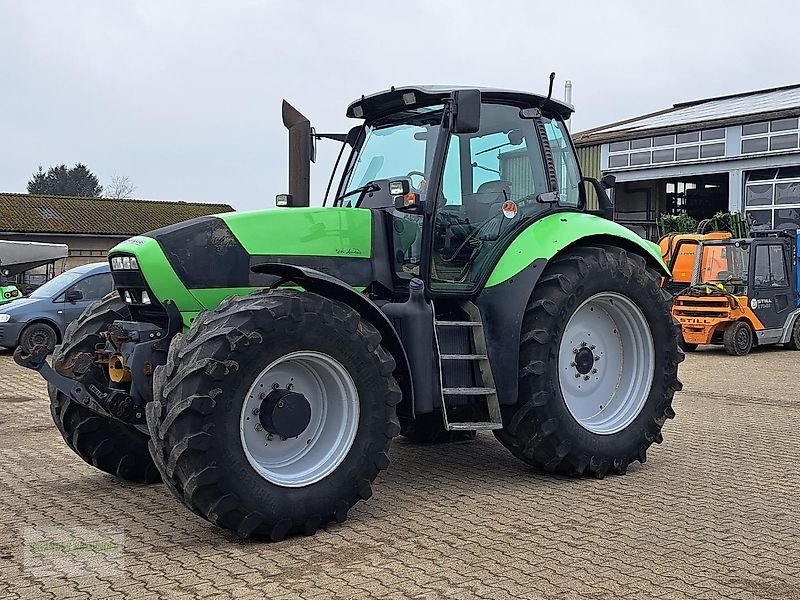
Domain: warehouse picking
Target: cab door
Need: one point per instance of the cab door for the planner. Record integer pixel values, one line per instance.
(771, 296)
(492, 183)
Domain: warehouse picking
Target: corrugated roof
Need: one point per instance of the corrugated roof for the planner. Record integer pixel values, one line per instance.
(744, 107)
(26, 213)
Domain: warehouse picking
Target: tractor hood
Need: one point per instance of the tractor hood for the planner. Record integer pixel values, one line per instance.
(198, 262)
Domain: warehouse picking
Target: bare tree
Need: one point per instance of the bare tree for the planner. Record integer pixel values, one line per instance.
(120, 188)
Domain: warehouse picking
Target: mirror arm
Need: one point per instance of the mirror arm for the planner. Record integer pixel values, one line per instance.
(606, 207)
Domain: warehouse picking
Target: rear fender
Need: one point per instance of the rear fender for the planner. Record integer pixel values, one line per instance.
(330, 287)
(508, 289)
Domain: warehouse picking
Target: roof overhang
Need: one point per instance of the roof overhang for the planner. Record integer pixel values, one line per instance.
(398, 99)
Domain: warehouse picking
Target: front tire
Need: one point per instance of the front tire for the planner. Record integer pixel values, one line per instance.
(38, 334)
(598, 365)
(107, 444)
(224, 459)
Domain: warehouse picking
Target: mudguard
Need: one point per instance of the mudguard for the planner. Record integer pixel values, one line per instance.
(326, 285)
(504, 298)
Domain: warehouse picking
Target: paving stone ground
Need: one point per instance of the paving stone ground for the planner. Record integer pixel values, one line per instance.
(712, 514)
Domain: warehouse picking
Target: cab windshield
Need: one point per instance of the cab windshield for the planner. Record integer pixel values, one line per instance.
(399, 147)
(724, 263)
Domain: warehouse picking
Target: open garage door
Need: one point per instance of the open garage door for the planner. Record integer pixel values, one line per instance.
(638, 204)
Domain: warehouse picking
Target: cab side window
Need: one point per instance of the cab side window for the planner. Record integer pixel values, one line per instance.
(770, 267)
(564, 161)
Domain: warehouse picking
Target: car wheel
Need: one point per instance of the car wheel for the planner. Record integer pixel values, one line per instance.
(38, 334)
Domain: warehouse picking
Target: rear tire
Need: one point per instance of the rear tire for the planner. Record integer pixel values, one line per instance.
(204, 423)
(110, 445)
(794, 339)
(738, 339)
(594, 302)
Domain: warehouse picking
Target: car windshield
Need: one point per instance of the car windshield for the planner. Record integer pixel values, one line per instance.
(724, 263)
(399, 147)
(57, 284)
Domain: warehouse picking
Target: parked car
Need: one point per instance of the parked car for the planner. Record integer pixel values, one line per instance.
(42, 317)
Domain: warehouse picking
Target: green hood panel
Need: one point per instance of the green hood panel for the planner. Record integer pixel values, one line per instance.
(158, 273)
(303, 231)
(548, 236)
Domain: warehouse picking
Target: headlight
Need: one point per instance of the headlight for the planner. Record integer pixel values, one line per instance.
(5, 318)
(124, 263)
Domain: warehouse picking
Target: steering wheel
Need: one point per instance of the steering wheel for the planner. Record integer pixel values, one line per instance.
(410, 174)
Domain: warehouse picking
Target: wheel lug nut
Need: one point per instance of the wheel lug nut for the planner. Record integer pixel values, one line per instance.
(259, 427)
(256, 410)
(572, 364)
(261, 396)
(594, 371)
(275, 386)
(592, 347)
(586, 378)
(290, 387)
(577, 375)
(269, 437)
(596, 358)
(583, 344)
(575, 350)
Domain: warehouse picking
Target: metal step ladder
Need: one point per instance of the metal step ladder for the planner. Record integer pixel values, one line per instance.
(487, 387)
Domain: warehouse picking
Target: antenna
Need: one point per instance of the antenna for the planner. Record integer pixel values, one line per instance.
(550, 89)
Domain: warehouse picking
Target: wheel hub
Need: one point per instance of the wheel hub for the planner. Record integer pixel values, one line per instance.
(285, 413)
(584, 360)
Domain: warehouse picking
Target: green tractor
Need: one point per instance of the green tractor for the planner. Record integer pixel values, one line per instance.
(260, 363)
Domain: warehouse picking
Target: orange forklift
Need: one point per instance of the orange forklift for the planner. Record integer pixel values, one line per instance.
(743, 293)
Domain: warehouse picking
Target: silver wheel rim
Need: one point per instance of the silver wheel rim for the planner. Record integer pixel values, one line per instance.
(321, 448)
(608, 396)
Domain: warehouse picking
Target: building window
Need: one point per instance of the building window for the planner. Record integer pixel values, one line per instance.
(772, 198)
(712, 134)
(690, 145)
(770, 136)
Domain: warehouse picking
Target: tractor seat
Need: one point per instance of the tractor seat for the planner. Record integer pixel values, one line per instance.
(488, 200)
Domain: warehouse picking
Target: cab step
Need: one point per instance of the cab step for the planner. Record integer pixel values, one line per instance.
(483, 374)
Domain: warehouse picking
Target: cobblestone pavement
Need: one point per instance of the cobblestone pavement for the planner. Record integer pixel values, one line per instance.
(712, 514)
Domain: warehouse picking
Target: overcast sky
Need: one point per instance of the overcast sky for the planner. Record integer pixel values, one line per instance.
(183, 97)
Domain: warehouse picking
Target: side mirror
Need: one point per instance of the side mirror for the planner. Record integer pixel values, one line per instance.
(74, 295)
(608, 182)
(466, 111)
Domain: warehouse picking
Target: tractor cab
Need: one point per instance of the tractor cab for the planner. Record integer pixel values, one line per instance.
(457, 173)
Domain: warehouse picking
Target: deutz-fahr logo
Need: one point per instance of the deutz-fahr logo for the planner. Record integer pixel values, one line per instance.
(756, 303)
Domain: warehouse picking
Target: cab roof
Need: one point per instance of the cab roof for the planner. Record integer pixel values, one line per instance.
(394, 100)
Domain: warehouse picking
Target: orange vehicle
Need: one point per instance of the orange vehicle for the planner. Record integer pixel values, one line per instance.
(743, 293)
(678, 251)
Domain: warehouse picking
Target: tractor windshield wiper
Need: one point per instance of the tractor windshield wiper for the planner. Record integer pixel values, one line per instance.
(369, 187)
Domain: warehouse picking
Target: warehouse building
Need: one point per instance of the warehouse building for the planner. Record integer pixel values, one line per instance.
(89, 226)
(739, 153)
